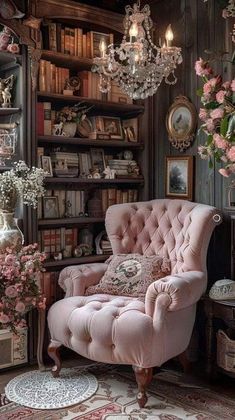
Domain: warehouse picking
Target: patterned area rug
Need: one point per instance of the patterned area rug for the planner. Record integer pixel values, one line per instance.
(40, 390)
(115, 399)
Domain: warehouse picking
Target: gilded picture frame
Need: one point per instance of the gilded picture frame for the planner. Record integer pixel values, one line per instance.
(181, 123)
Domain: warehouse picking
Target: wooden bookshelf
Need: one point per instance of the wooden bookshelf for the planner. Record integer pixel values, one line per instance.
(66, 60)
(81, 181)
(9, 111)
(75, 141)
(70, 221)
(53, 265)
(108, 108)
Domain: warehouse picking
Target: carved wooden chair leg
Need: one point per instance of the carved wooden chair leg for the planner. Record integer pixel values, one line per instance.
(185, 363)
(53, 351)
(143, 379)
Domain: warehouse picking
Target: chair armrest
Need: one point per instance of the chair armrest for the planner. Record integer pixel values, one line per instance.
(75, 279)
(175, 292)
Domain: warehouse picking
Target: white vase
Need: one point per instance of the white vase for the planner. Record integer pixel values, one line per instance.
(69, 129)
(10, 234)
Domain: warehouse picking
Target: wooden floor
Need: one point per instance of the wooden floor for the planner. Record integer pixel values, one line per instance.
(223, 384)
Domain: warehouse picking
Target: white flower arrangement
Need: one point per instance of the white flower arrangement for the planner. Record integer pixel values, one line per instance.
(21, 183)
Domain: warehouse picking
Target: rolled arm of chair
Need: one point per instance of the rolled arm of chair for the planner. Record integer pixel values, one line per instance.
(75, 279)
(175, 292)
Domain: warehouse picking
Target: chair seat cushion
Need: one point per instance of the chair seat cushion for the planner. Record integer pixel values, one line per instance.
(112, 329)
(131, 275)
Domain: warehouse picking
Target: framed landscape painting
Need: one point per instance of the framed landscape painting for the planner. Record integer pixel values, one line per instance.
(179, 177)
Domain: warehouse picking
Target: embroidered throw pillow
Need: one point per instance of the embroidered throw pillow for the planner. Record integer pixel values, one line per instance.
(131, 275)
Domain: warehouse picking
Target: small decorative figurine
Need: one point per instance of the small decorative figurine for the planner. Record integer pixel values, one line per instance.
(109, 173)
(58, 129)
(5, 91)
(72, 86)
(128, 155)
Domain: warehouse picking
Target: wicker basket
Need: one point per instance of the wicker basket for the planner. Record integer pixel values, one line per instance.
(225, 352)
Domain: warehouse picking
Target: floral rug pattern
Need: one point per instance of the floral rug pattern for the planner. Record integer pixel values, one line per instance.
(115, 399)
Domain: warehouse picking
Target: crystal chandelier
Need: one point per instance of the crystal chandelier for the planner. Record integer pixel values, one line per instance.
(137, 65)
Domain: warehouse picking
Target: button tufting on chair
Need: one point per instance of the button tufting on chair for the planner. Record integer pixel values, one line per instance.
(157, 327)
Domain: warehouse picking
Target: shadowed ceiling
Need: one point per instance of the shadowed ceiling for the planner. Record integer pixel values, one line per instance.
(114, 5)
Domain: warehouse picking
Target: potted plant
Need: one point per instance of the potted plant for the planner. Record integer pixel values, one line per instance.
(71, 116)
(20, 183)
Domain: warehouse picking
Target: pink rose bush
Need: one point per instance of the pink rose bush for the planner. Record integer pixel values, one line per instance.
(19, 288)
(218, 118)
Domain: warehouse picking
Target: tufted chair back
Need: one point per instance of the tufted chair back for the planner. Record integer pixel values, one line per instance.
(177, 229)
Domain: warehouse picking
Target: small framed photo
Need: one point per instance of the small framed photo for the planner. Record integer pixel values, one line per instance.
(50, 207)
(46, 165)
(97, 160)
(179, 177)
(113, 126)
(181, 123)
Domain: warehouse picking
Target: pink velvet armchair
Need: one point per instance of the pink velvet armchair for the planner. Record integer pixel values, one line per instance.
(125, 330)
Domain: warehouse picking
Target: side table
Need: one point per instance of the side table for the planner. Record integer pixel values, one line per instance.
(225, 311)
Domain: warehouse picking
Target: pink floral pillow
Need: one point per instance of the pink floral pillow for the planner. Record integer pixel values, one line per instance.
(131, 275)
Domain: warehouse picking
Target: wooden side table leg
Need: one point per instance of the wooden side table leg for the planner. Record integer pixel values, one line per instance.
(41, 331)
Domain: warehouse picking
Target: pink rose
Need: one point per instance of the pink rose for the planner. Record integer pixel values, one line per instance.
(217, 113)
(207, 88)
(11, 292)
(203, 114)
(4, 319)
(202, 68)
(220, 142)
(220, 96)
(231, 154)
(20, 307)
(210, 126)
(226, 85)
(13, 48)
(225, 172)
(233, 85)
(10, 259)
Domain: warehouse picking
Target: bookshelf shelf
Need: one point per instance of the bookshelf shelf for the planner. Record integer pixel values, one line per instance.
(108, 108)
(9, 111)
(80, 181)
(42, 223)
(74, 261)
(55, 140)
(66, 60)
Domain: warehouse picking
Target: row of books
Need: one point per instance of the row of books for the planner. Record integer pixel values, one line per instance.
(67, 204)
(52, 79)
(73, 41)
(110, 196)
(50, 288)
(90, 89)
(52, 241)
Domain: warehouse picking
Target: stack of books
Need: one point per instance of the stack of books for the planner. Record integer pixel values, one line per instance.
(105, 246)
(121, 166)
(110, 196)
(52, 78)
(65, 164)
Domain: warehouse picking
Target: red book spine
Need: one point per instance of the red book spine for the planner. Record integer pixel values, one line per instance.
(40, 119)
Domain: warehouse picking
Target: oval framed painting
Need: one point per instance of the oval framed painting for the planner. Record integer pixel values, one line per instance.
(181, 123)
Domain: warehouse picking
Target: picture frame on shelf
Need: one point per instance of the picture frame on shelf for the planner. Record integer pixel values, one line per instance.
(97, 159)
(179, 177)
(47, 166)
(113, 126)
(50, 207)
(181, 123)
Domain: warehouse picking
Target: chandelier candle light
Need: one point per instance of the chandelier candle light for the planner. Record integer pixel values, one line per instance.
(137, 65)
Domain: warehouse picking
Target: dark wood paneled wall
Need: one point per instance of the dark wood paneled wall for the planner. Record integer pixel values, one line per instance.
(197, 26)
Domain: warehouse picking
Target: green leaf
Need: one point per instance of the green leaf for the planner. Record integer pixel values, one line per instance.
(212, 105)
(199, 92)
(224, 126)
(210, 164)
(209, 139)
